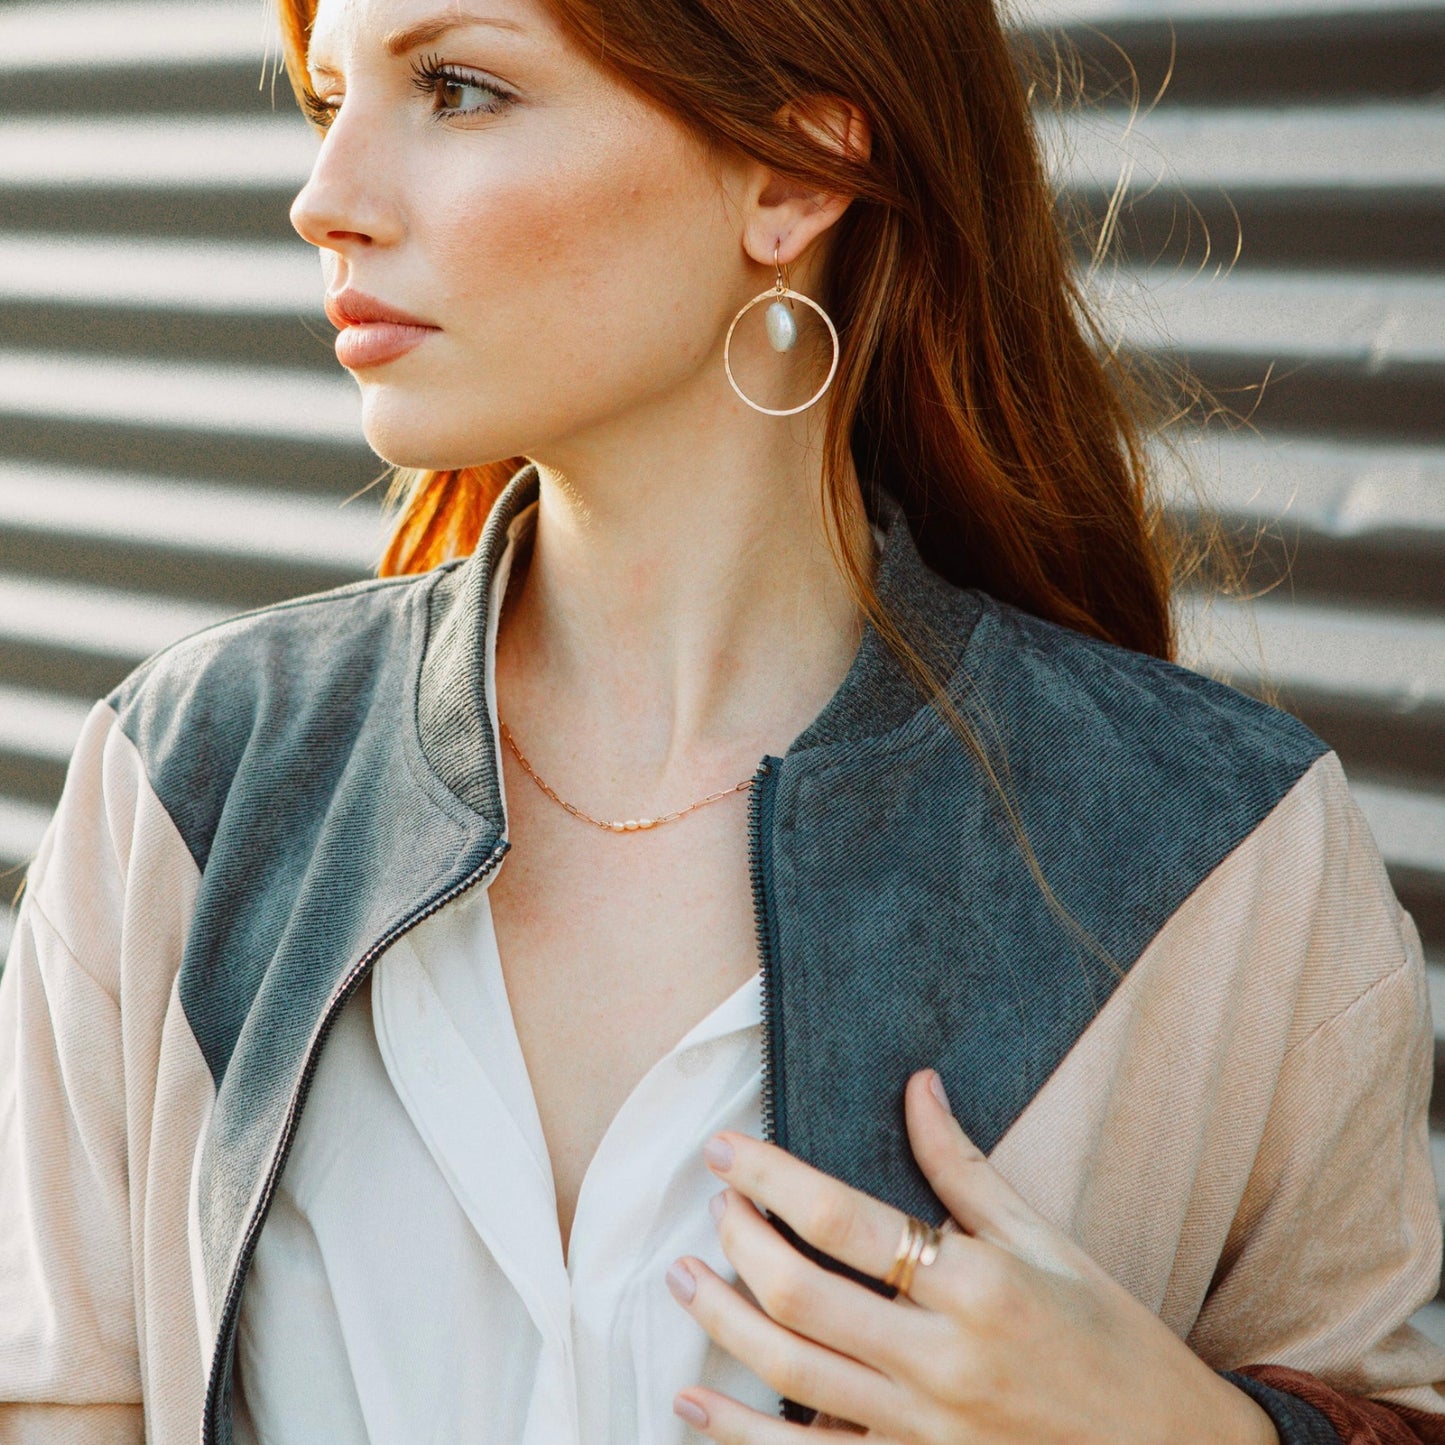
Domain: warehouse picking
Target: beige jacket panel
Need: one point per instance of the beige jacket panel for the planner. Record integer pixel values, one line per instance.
(97, 1065)
(1227, 1137)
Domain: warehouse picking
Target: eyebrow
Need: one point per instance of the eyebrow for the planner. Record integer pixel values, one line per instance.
(398, 42)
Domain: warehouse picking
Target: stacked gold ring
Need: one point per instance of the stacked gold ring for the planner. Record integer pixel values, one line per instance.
(919, 1245)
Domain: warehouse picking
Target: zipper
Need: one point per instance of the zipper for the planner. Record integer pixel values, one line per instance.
(760, 869)
(347, 987)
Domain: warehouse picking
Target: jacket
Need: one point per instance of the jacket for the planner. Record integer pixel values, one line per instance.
(1208, 1060)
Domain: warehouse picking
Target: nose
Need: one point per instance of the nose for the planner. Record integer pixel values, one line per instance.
(344, 203)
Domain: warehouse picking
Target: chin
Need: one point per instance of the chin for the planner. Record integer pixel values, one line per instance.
(427, 436)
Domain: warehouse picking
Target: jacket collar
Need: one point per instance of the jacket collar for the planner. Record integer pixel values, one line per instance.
(874, 697)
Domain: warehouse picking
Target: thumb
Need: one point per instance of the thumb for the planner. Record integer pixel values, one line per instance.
(976, 1194)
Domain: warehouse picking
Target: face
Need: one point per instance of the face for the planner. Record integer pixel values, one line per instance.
(569, 248)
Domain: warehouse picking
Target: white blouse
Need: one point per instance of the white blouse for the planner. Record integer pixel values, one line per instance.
(409, 1287)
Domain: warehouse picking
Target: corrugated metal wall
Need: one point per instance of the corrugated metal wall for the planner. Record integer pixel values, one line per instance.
(1281, 221)
(176, 441)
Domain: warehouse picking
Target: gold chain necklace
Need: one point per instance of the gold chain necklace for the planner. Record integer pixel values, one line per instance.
(631, 825)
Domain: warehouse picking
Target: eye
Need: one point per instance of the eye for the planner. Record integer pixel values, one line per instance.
(456, 91)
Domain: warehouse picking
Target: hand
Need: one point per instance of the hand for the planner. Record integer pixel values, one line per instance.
(1012, 1334)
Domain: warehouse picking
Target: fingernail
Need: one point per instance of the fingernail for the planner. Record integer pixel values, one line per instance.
(690, 1411)
(936, 1084)
(716, 1205)
(681, 1282)
(718, 1152)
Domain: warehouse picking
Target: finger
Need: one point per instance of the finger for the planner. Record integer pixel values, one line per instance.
(820, 1304)
(977, 1195)
(797, 1368)
(851, 1226)
(982, 1201)
(736, 1424)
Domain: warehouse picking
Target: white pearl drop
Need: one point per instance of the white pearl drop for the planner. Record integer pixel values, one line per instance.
(782, 328)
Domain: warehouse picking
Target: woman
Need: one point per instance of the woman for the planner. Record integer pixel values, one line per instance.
(408, 967)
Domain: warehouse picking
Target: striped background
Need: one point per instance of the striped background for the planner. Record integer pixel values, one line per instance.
(177, 442)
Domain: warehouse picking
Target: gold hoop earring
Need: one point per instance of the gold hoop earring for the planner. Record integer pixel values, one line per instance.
(782, 336)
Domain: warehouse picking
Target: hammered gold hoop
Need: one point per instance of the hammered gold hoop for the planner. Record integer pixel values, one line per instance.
(919, 1244)
(779, 292)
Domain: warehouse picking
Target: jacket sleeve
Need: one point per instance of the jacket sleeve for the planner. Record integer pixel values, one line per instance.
(69, 1367)
(1337, 1241)
(1306, 1410)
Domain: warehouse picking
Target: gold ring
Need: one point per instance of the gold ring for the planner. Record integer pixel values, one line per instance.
(919, 1245)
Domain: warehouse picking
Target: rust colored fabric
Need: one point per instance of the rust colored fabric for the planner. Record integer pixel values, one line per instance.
(1359, 1421)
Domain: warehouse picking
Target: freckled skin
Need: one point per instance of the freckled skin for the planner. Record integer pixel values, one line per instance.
(579, 232)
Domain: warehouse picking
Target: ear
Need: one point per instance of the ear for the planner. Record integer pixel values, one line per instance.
(788, 214)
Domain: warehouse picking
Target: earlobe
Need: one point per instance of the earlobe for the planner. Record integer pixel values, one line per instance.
(789, 218)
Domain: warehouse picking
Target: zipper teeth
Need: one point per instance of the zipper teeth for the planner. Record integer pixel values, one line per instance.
(764, 934)
(298, 1099)
(759, 801)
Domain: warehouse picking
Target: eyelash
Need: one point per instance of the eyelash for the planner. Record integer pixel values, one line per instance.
(426, 72)
(318, 112)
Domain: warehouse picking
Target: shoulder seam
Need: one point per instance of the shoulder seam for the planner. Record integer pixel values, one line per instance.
(32, 903)
(1330, 769)
(1374, 986)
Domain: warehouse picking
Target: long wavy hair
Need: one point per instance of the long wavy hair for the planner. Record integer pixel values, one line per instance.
(973, 382)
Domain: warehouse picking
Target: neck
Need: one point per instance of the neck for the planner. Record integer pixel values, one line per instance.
(684, 617)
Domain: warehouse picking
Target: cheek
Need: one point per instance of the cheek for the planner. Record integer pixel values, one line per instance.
(524, 243)
(578, 272)
(612, 253)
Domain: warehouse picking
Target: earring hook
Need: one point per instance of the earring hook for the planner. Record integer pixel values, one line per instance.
(781, 284)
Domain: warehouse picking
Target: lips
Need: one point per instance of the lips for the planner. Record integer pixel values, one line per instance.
(369, 332)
